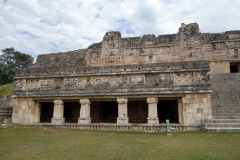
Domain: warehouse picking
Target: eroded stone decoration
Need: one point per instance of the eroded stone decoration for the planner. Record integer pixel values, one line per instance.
(131, 83)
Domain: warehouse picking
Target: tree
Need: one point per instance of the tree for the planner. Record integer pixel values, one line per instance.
(0, 74)
(10, 61)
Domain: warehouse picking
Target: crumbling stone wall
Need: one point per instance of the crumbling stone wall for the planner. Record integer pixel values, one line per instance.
(189, 44)
(6, 106)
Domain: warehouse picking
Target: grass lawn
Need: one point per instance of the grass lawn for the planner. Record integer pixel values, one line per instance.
(29, 142)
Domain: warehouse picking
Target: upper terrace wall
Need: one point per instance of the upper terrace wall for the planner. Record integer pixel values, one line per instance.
(186, 45)
(164, 78)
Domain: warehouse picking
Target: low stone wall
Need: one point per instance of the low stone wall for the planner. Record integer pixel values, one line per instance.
(226, 90)
(6, 107)
(128, 127)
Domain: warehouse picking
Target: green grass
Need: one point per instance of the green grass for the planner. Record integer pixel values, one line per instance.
(6, 90)
(29, 142)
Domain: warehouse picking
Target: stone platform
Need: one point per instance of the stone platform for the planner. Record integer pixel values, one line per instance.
(127, 127)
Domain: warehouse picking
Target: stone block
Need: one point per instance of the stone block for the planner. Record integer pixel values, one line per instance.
(199, 110)
(58, 120)
(153, 121)
(122, 120)
(84, 120)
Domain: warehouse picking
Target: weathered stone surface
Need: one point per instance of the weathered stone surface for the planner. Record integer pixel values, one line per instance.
(6, 107)
(122, 111)
(180, 67)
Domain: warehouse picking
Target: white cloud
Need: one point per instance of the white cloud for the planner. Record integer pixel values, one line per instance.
(43, 26)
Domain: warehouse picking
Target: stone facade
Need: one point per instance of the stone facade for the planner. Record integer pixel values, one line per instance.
(128, 81)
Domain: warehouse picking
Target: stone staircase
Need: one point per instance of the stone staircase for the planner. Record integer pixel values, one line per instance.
(224, 119)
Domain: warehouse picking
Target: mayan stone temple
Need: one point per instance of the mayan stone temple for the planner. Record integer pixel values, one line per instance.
(136, 83)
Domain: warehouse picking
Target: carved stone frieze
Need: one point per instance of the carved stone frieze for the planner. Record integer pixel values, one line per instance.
(44, 84)
(71, 82)
(137, 79)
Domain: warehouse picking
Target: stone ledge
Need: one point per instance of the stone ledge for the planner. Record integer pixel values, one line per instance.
(75, 71)
(113, 91)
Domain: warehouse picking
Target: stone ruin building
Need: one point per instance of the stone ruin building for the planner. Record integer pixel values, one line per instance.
(136, 83)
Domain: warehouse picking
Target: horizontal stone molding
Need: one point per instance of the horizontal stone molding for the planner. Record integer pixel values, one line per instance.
(110, 92)
(113, 70)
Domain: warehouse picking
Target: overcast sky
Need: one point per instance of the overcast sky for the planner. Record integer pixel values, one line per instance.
(49, 26)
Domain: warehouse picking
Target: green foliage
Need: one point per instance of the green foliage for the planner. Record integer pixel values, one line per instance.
(2, 90)
(156, 84)
(58, 87)
(10, 61)
(6, 90)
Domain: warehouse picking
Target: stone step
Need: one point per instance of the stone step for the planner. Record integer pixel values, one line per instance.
(223, 125)
(226, 117)
(225, 120)
(226, 111)
(225, 114)
(216, 130)
(226, 108)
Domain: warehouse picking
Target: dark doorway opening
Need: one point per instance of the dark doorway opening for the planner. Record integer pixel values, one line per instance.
(46, 112)
(104, 111)
(71, 112)
(137, 111)
(168, 109)
(234, 67)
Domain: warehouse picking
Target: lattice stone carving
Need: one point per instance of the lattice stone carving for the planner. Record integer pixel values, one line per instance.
(32, 84)
(150, 79)
(164, 80)
(183, 78)
(220, 45)
(82, 82)
(116, 81)
(43, 83)
(208, 55)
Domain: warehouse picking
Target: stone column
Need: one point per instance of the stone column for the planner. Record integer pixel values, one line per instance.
(84, 111)
(58, 112)
(122, 111)
(37, 112)
(152, 110)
